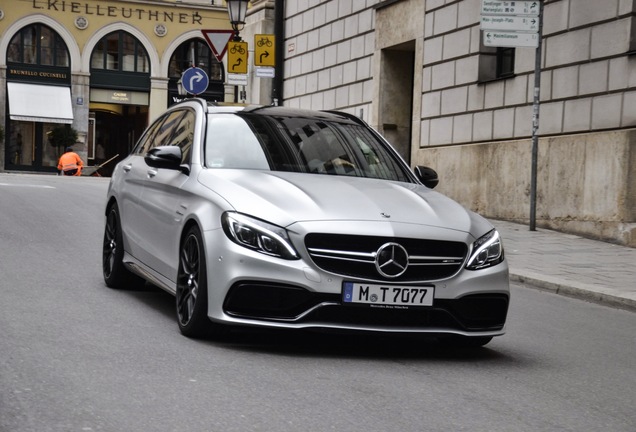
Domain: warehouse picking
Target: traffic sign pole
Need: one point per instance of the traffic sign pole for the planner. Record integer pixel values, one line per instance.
(535, 124)
(519, 24)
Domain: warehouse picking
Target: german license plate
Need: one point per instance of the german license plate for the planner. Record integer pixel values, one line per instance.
(387, 295)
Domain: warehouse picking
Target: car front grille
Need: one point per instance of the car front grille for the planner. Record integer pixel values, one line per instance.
(355, 256)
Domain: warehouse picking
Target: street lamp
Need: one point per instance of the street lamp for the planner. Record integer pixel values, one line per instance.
(180, 89)
(237, 10)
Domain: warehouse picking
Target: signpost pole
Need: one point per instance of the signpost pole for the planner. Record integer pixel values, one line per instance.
(535, 124)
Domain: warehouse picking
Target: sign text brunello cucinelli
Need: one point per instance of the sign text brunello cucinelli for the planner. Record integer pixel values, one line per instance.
(117, 11)
(41, 74)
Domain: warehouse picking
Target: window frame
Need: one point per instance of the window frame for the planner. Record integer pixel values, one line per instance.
(58, 49)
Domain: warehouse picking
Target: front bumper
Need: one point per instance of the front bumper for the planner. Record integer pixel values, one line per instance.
(249, 288)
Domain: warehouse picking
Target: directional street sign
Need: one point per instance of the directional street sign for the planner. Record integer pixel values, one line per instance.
(194, 80)
(510, 23)
(511, 39)
(237, 57)
(237, 79)
(265, 72)
(218, 40)
(502, 7)
(264, 50)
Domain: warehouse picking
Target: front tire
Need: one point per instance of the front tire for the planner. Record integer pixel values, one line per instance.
(192, 290)
(116, 275)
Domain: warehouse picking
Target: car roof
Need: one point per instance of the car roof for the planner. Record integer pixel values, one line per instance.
(271, 110)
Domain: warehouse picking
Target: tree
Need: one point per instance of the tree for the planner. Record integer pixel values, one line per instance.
(63, 136)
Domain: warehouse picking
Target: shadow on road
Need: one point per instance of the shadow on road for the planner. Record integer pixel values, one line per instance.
(350, 345)
(320, 343)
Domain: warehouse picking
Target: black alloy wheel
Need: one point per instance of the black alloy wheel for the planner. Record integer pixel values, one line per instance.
(116, 275)
(192, 293)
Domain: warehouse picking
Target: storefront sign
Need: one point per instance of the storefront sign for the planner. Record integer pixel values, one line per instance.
(37, 74)
(120, 97)
(125, 12)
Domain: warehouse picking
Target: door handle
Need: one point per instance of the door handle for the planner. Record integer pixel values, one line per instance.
(152, 173)
(127, 168)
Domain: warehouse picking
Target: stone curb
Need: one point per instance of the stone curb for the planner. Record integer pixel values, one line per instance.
(577, 290)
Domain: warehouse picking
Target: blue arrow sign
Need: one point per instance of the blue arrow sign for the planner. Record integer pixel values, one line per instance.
(194, 80)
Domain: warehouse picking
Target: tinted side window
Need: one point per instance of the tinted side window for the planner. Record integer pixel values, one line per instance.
(184, 135)
(144, 143)
(167, 128)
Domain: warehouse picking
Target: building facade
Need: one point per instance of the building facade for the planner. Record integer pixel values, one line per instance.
(418, 72)
(104, 68)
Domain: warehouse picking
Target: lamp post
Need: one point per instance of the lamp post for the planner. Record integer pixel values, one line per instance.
(180, 89)
(237, 9)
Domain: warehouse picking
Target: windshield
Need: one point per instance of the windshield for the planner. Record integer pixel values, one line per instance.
(298, 144)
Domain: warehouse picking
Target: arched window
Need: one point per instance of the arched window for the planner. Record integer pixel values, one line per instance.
(120, 51)
(38, 44)
(120, 61)
(196, 52)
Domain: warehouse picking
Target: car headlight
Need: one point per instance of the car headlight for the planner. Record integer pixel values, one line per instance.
(487, 251)
(258, 235)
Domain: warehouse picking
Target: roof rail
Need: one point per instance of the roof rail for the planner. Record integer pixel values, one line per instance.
(352, 117)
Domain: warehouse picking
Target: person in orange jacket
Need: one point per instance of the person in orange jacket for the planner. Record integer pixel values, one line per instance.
(70, 163)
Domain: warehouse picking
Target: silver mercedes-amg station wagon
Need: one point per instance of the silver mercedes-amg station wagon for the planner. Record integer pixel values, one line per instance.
(285, 218)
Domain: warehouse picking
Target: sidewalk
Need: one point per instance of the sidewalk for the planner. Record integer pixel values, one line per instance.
(571, 265)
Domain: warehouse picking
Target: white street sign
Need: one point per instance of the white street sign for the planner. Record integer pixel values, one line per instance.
(511, 39)
(510, 23)
(502, 7)
(237, 79)
(265, 72)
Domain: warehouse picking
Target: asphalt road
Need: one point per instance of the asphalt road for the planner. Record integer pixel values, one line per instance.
(77, 356)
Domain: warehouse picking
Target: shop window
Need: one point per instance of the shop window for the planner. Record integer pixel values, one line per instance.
(195, 53)
(38, 44)
(120, 52)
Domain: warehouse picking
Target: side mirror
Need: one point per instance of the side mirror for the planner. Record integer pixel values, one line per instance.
(168, 157)
(428, 176)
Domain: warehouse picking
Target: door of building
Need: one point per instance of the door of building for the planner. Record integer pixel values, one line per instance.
(116, 133)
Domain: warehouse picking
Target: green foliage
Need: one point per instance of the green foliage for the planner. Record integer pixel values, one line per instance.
(63, 136)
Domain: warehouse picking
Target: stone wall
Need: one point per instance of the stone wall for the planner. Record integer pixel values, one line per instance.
(329, 48)
(587, 80)
(585, 183)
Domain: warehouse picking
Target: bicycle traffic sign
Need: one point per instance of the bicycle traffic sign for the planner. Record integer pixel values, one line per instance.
(264, 50)
(237, 57)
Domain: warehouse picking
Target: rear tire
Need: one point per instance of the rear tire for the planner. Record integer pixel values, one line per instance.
(116, 275)
(192, 286)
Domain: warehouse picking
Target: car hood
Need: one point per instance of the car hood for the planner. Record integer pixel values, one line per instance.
(284, 198)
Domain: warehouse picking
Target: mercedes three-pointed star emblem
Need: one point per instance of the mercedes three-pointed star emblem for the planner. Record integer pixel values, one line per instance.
(391, 260)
